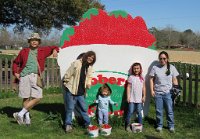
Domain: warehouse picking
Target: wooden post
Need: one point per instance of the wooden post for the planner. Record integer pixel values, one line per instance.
(196, 85)
(44, 74)
(59, 78)
(190, 85)
(14, 85)
(6, 74)
(52, 73)
(180, 72)
(10, 81)
(184, 84)
(57, 75)
(48, 73)
(178, 66)
(1, 87)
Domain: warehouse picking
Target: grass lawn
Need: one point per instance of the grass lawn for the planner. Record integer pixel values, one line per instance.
(47, 122)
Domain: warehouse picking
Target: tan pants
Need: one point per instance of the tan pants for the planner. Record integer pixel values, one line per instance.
(28, 87)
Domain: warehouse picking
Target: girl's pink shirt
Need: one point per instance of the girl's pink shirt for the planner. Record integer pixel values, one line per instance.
(136, 88)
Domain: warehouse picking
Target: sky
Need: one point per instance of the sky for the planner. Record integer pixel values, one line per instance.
(178, 14)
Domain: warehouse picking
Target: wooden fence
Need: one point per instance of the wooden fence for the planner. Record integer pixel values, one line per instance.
(51, 74)
(189, 78)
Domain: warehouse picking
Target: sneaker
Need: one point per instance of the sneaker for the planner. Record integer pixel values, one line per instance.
(159, 129)
(27, 121)
(172, 130)
(128, 128)
(68, 128)
(18, 118)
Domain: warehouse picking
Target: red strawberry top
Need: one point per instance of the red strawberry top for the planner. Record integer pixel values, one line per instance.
(116, 28)
(93, 127)
(106, 126)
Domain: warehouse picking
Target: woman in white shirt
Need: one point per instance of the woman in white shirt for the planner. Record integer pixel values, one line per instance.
(162, 77)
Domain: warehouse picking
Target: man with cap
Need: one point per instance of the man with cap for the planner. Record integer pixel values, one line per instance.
(26, 67)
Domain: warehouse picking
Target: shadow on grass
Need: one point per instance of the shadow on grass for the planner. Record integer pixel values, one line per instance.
(151, 137)
(53, 110)
(43, 107)
(50, 107)
(150, 121)
(9, 111)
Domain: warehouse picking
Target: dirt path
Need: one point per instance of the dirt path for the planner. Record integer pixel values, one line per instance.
(184, 56)
(175, 56)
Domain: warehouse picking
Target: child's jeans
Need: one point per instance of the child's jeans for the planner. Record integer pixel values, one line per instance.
(131, 108)
(102, 116)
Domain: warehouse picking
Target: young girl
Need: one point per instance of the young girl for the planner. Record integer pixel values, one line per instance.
(136, 93)
(103, 102)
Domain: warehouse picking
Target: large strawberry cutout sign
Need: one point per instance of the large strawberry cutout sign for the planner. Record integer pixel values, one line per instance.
(118, 40)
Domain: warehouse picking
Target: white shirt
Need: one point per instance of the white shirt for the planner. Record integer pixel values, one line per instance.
(136, 88)
(163, 82)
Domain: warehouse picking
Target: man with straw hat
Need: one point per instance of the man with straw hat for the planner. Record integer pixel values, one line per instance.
(27, 68)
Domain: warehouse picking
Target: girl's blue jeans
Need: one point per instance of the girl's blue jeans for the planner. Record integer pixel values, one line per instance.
(131, 108)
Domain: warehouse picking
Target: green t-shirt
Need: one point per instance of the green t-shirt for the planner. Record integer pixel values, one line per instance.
(31, 65)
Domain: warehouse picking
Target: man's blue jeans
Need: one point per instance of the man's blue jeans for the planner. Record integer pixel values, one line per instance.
(131, 108)
(70, 102)
(164, 100)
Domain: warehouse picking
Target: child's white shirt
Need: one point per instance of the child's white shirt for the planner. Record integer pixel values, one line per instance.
(136, 88)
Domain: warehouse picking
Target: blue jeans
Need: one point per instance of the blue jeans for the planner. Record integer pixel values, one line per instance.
(70, 102)
(131, 108)
(102, 116)
(164, 100)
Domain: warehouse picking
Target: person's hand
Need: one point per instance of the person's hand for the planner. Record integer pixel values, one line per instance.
(153, 94)
(128, 99)
(116, 104)
(143, 99)
(55, 53)
(94, 101)
(17, 76)
(88, 86)
(85, 95)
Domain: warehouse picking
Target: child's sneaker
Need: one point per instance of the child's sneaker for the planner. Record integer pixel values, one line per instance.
(68, 128)
(18, 118)
(128, 128)
(172, 130)
(159, 129)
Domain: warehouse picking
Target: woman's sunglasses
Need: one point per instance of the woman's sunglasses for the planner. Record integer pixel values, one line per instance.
(162, 58)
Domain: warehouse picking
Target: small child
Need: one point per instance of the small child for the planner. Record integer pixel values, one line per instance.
(103, 102)
(136, 93)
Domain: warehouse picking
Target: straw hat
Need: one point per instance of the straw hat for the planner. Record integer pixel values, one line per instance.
(34, 36)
